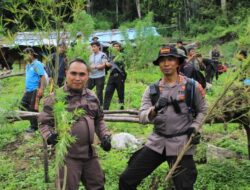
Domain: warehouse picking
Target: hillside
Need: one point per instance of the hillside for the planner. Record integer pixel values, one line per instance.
(222, 157)
(22, 156)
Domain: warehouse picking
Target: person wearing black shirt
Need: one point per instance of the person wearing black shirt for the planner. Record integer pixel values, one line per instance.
(117, 77)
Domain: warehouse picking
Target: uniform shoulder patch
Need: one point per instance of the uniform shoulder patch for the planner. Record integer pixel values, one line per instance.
(91, 96)
(201, 90)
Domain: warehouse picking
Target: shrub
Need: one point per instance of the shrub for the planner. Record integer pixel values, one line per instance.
(145, 47)
(224, 175)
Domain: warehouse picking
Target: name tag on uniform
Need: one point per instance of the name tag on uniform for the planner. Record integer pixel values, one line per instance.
(181, 95)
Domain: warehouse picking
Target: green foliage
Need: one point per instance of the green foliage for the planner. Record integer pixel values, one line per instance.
(80, 50)
(29, 152)
(220, 128)
(51, 19)
(1, 27)
(10, 132)
(6, 112)
(235, 144)
(102, 22)
(244, 40)
(82, 22)
(138, 80)
(113, 169)
(137, 53)
(224, 175)
(21, 166)
(64, 121)
(9, 103)
(200, 153)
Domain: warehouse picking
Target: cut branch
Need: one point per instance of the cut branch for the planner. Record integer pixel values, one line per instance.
(121, 119)
(121, 116)
(188, 145)
(134, 112)
(11, 75)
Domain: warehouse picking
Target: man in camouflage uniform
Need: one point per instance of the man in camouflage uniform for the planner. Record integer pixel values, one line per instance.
(81, 159)
(173, 125)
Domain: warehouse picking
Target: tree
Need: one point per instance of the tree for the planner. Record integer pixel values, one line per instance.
(136, 53)
(45, 17)
(138, 7)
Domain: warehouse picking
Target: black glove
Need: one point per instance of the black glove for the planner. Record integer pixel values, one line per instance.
(196, 137)
(161, 103)
(52, 139)
(106, 143)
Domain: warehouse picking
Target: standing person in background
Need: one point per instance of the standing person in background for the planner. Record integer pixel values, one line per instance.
(209, 70)
(97, 61)
(62, 58)
(192, 66)
(179, 45)
(215, 55)
(117, 77)
(96, 39)
(78, 40)
(243, 56)
(193, 59)
(34, 86)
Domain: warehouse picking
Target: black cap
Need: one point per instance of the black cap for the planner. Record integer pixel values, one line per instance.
(78, 34)
(95, 37)
(169, 51)
(116, 43)
(30, 50)
(95, 43)
(179, 41)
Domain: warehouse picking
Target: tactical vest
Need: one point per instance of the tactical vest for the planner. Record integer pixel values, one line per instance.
(215, 55)
(154, 92)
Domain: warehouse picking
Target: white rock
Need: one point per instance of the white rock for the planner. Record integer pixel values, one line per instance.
(214, 152)
(209, 86)
(124, 140)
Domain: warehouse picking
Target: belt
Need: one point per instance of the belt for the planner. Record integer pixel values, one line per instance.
(172, 135)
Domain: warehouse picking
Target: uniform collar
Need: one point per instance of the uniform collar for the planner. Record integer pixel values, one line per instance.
(181, 79)
(74, 93)
(97, 53)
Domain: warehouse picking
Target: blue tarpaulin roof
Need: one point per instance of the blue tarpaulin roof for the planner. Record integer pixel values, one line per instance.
(43, 38)
(36, 38)
(116, 35)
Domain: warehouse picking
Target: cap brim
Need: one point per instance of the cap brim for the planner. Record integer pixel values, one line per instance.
(181, 57)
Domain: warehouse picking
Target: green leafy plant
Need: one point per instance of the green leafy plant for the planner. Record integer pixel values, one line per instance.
(224, 175)
(136, 53)
(63, 123)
